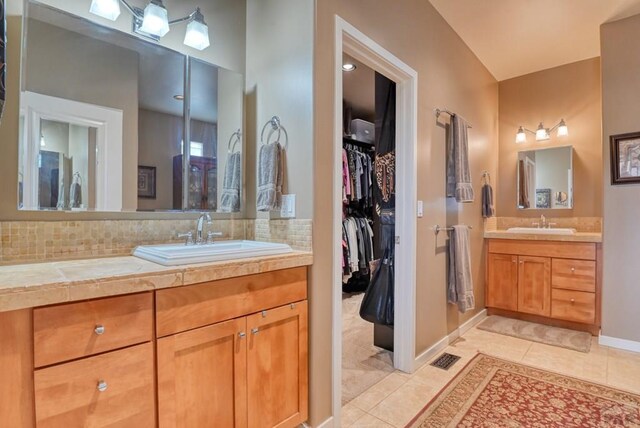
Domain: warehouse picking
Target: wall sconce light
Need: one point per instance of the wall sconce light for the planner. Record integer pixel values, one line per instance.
(153, 21)
(542, 133)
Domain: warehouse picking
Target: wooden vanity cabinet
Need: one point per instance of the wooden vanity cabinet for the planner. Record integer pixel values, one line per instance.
(234, 353)
(225, 353)
(553, 282)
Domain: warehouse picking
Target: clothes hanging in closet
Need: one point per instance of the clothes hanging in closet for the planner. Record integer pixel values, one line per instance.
(357, 169)
(357, 245)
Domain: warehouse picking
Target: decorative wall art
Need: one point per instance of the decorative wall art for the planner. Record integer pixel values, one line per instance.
(625, 158)
(147, 182)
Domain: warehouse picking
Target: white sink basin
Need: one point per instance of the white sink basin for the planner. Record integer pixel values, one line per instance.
(180, 254)
(540, 231)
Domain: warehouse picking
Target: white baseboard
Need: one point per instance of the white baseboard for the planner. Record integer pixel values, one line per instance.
(477, 319)
(427, 355)
(614, 342)
(326, 424)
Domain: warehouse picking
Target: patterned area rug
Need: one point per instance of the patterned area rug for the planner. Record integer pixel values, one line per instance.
(555, 336)
(490, 392)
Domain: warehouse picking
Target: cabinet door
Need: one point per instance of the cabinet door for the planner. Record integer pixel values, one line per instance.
(202, 377)
(277, 367)
(502, 283)
(534, 285)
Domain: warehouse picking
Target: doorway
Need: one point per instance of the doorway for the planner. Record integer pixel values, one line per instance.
(352, 42)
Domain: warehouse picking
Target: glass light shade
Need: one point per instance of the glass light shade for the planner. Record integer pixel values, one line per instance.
(156, 20)
(197, 35)
(541, 133)
(108, 9)
(521, 137)
(563, 130)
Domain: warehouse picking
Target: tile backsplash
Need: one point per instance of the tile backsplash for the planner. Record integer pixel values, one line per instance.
(33, 241)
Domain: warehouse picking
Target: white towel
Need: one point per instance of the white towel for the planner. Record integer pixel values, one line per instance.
(230, 197)
(458, 173)
(460, 284)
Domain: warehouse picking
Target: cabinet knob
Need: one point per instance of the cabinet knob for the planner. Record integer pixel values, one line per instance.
(242, 335)
(99, 330)
(102, 386)
(573, 269)
(573, 300)
(521, 262)
(254, 330)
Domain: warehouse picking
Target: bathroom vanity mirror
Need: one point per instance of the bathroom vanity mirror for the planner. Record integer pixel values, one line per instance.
(103, 116)
(545, 178)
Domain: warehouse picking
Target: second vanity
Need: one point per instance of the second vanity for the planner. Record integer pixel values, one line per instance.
(555, 280)
(216, 344)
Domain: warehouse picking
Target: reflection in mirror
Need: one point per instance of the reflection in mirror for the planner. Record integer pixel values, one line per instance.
(545, 178)
(102, 120)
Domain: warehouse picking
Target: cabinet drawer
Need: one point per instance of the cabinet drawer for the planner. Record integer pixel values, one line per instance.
(74, 330)
(576, 306)
(577, 275)
(69, 395)
(185, 308)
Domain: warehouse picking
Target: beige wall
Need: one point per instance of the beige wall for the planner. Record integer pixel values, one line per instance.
(449, 76)
(279, 81)
(571, 92)
(620, 45)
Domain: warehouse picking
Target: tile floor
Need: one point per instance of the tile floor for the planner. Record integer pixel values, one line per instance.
(363, 365)
(397, 398)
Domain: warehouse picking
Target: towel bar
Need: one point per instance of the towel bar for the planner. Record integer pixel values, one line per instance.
(439, 111)
(437, 228)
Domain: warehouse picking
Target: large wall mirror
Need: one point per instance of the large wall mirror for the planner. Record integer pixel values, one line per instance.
(103, 116)
(545, 178)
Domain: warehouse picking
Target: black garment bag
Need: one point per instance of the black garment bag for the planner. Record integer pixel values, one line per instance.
(378, 302)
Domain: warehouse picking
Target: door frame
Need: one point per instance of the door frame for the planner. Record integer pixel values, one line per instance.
(348, 39)
(108, 123)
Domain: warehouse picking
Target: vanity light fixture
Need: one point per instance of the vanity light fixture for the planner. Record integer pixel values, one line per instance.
(542, 133)
(153, 21)
(347, 66)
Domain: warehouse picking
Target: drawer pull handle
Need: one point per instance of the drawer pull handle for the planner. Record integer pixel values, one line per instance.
(573, 269)
(293, 306)
(102, 386)
(99, 330)
(264, 314)
(254, 331)
(573, 300)
(242, 335)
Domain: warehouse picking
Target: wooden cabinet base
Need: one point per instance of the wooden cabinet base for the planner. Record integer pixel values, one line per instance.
(589, 328)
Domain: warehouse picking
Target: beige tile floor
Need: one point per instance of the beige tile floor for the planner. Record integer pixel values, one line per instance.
(397, 398)
(363, 365)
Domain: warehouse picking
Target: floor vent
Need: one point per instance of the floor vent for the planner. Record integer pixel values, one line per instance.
(445, 361)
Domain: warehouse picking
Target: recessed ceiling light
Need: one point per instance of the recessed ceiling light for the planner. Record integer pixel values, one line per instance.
(179, 97)
(348, 66)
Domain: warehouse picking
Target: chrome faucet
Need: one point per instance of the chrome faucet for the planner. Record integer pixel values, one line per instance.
(200, 226)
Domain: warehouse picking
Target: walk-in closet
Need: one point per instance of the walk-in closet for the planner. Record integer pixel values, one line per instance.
(368, 227)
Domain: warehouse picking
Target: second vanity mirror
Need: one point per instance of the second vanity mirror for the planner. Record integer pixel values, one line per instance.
(102, 120)
(545, 178)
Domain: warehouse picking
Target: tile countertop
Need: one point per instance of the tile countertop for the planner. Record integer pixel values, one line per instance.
(30, 285)
(577, 237)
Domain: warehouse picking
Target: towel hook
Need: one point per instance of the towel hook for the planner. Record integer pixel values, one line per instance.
(486, 176)
(231, 147)
(276, 125)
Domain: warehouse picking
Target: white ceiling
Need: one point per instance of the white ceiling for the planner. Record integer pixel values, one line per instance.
(516, 37)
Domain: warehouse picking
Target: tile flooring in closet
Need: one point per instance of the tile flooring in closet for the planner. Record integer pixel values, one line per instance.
(398, 397)
(363, 365)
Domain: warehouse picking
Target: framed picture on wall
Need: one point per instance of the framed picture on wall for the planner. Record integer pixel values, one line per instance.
(147, 182)
(543, 198)
(625, 158)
